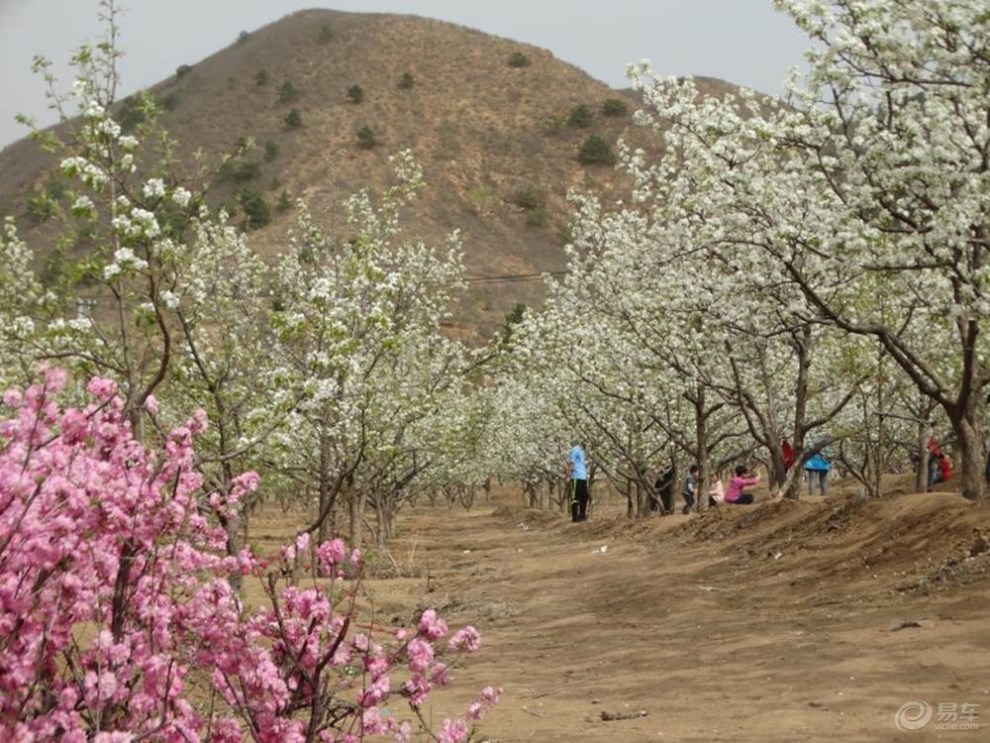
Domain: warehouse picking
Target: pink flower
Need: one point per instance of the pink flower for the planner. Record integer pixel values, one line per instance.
(431, 626)
(376, 693)
(371, 722)
(55, 379)
(491, 695)
(199, 422)
(226, 731)
(440, 675)
(402, 732)
(332, 552)
(416, 688)
(488, 699)
(467, 639)
(151, 404)
(75, 426)
(101, 388)
(302, 541)
(420, 655)
(453, 731)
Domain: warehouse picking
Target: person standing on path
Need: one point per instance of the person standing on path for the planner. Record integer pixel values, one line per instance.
(580, 495)
(688, 488)
(817, 468)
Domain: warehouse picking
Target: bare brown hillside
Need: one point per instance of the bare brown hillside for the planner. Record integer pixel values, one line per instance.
(495, 141)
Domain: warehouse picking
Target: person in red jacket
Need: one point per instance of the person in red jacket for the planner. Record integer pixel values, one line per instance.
(787, 453)
(943, 467)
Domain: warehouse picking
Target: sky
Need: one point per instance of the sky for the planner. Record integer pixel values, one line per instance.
(742, 41)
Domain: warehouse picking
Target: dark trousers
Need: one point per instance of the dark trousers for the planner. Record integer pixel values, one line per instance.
(688, 502)
(579, 500)
(744, 499)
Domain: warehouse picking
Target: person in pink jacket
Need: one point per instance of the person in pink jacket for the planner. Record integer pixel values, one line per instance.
(741, 479)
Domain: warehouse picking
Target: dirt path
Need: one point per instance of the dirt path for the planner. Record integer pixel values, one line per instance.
(787, 621)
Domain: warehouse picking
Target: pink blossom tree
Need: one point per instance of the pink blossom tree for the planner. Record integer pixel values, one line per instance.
(117, 617)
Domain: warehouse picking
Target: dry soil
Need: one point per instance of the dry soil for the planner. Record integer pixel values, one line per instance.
(784, 621)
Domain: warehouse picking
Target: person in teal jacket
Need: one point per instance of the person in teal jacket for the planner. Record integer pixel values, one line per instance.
(817, 468)
(580, 494)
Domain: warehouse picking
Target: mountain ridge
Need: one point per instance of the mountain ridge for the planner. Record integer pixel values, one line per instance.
(491, 121)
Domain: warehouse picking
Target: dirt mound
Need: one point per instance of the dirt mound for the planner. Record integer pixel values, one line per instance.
(794, 620)
(786, 621)
(930, 539)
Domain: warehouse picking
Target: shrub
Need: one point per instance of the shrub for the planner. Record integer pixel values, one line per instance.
(511, 319)
(293, 119)
(355, 94)
(529, 198)
(536, 217)
(284, 203)
(366, 138)
(257, 212)
(580, 117)
(41, 207)
(170, 102)
(595, 151)
(261, 78)
(242, 37)
(406, 81)
(182, 70)
(614, 107)
(287, 92)
(55, 187)
(43, 204)
(133, 112)
(271, 150)
(55, 268)
(239, 171)
(518, 59)
(326, 33)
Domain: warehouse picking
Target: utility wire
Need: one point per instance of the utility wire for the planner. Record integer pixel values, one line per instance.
(511, 277)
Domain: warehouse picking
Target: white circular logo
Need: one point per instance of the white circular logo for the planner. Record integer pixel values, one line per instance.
(913, 716)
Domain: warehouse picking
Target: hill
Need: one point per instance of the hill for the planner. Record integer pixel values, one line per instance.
(496, 125)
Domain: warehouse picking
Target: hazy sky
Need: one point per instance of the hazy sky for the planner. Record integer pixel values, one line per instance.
(742, 41)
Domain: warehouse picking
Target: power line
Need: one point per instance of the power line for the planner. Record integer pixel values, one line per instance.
(510, 278)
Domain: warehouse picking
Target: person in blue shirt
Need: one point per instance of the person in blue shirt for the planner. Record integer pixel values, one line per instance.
(817, 468)
(580, 495)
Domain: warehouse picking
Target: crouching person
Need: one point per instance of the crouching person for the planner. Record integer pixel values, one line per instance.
(735, 493)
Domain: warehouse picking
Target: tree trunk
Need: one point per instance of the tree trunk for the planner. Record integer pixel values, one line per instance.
(921, 475)
(778, 472)
(802, 343)
(701, 453)
(972, 472)
(642, 501)
(233, 547)
(356, 510)
(324, 494)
